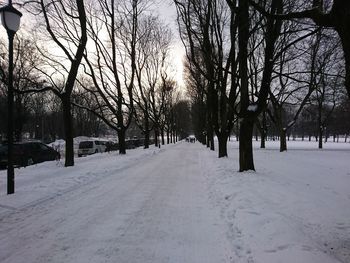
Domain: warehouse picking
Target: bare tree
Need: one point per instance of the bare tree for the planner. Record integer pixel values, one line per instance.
(86, 122)
(196, 89)
(222, 33)
(151, 66)
(26, 76)
(328, 91)
(249, 110)
(294, 79)
(161, 97)
(205, 28)
(65, 23)
(113, 28)
(330, 14)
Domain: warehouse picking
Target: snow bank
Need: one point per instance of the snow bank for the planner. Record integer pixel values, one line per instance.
(43, 181)
(295, 208)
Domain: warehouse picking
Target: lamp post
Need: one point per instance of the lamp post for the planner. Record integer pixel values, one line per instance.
(10, 19)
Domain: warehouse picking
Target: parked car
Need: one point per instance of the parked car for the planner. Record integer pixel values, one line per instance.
(191, 138)
(28, 153)
(129, 144)
(91, 147)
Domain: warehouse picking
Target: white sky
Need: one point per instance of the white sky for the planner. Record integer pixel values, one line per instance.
(167, 13)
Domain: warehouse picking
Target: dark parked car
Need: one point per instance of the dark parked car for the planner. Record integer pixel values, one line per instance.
(28, 153)
(111, 146)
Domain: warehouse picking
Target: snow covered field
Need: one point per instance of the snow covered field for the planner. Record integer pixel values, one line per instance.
(295, 208)
(182, 204)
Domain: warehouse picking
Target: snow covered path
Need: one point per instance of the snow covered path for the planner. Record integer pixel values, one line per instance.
(182, 204)
(155, 209)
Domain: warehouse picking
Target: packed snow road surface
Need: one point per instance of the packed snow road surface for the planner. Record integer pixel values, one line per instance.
(153, 207)
(182, 204)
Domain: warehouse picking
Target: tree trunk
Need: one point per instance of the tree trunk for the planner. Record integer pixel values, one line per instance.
(222, 145)
(319, 125)
(156, 137)
(320, 136)
(146, 139)
(283, 141)
(203, 139)
(162, 135)
(263, 130)
(263, 139)
(246, 161)
(167, 136)
(68, 131)
(146, 131)
(211, 139)
(212, 143)
(121, 141)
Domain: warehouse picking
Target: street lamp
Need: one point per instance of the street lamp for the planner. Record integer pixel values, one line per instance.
(10, 19)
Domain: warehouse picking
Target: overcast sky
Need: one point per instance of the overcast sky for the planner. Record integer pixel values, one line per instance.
(167, 12)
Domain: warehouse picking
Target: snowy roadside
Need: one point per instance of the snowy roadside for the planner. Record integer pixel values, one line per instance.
(154, 211)
(295, 208)
(44, 181)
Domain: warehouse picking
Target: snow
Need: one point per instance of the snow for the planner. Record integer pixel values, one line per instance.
(295, 208)
(181, 203)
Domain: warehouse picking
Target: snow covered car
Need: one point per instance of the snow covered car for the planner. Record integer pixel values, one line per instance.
(91, 147)
(28, 153)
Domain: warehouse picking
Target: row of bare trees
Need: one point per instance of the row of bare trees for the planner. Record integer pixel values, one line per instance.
(245, 60)
(333, 120)
(249, 60)
(109, 59)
